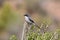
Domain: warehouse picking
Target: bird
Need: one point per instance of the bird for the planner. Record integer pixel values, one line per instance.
(29, 20)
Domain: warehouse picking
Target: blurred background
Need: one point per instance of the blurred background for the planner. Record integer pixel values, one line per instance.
(45, 13)
(12, 18)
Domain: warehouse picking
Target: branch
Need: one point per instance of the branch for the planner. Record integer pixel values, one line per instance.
(24, 27)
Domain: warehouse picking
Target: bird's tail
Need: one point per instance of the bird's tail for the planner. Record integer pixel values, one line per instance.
(36, 25)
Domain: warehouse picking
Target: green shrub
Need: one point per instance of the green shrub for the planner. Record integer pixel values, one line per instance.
(7, 15)
(13, 37)
(37, 35)
(46, 36)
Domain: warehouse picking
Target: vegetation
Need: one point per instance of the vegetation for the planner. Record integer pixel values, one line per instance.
(13, 37)
(7, 16)
(37, 35)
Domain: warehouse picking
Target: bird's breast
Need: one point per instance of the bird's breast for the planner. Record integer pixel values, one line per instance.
(27, 19)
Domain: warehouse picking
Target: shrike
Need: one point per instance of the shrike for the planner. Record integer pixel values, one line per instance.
(29, 20)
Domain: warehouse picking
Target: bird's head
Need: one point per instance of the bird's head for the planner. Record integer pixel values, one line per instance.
(26, 15)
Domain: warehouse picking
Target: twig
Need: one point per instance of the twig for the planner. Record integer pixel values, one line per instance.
(51, 37)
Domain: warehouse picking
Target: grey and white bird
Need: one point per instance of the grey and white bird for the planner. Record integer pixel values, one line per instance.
(29, 20)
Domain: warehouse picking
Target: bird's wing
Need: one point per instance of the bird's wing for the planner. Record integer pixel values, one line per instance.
(31, 20)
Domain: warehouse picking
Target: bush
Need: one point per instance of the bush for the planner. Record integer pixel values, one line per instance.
(31, 35)
(35, 33)
(7, 15)
(13, 37)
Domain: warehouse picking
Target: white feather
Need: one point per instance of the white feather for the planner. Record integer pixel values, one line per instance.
(27, 19)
